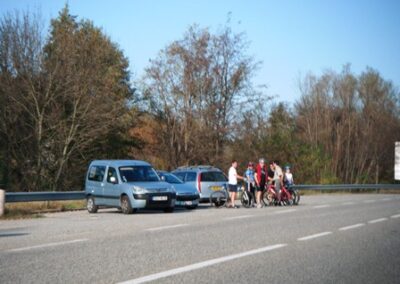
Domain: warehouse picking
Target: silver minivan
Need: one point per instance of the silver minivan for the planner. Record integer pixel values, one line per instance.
(206, 179)
(128, 185)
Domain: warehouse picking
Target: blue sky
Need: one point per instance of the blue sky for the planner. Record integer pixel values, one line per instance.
(291, 38)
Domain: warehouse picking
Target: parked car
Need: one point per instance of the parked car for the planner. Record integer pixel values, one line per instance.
(127, 184)
(206, 179)
(186, 194)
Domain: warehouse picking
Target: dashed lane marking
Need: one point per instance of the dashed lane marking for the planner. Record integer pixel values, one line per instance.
(202, 264)
(395, 216)
(352, 227)
(166, 227)
(306, 238)
(377, 220)
(47, 245)
(239, 217)
(322, 206)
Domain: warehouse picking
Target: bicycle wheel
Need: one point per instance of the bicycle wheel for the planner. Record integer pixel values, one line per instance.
(218, 198)
(295, 196)
(247, 199)
(297, 199)
(268, 198)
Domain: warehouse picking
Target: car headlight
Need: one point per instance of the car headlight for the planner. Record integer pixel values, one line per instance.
(139, 190)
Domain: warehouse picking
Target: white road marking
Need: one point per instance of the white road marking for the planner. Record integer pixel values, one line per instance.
(377, 220)
(47, 245)
(200, 265)
(322, 206)
(348, 203)
(306, 238)
(239, 217)
(395, 216)
(351, 227)
(386, 199)
(283, 211)
(166, 227)
(369, 201)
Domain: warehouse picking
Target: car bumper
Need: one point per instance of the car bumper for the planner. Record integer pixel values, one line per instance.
(154, 200)
(187, 200)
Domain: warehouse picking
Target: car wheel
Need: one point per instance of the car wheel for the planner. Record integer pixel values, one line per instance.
(126, 205)
(91, 205)
(169, 210)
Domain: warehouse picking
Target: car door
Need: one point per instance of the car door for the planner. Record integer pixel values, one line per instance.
(111, 189)
(95, 183)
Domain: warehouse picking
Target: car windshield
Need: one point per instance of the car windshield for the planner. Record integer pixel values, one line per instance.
(138, 173)
(170, 178)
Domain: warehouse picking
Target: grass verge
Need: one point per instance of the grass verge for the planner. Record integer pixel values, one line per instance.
(23, 210)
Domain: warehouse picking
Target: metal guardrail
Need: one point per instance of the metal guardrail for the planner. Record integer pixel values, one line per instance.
(80, 195)
(344, 187)
(44, 196)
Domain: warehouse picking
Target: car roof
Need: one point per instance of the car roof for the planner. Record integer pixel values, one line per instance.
(197, 168)
(119, 163)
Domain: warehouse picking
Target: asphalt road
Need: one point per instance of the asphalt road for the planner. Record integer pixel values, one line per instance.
(326, 239)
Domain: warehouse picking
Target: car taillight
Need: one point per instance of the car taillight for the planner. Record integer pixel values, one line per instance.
(199, 182)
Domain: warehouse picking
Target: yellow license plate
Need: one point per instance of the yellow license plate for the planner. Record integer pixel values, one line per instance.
(215, 188)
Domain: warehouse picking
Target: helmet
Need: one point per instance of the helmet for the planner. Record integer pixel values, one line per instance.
(287, 167)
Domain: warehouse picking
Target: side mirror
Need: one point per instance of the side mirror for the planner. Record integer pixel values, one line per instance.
(113, 180)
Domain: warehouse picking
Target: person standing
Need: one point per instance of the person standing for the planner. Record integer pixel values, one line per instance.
(260, 178)
(249, 174)
(278, 179)
(288, 178)
(233, 183)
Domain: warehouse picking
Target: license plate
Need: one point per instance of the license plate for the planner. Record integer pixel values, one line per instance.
(215, 188)
(160, 198)
(188, 202)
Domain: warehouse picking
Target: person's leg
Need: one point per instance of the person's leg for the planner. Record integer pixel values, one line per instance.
(278, 189)
(233, 197)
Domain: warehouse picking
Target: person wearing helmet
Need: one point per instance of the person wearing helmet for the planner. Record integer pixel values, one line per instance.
(288, 177)
(249, 174)
(260, 178)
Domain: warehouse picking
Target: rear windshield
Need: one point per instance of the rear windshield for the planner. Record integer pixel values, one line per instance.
(138, 173)
(213, 176)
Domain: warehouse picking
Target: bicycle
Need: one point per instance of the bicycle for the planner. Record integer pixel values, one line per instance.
(247, 198)
(294, 192)
(269, 196)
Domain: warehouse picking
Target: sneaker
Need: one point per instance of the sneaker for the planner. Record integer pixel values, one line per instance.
(259, 206)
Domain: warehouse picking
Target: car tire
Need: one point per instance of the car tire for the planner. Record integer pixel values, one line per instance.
(91, 205)
(126, 207)
(169, 210)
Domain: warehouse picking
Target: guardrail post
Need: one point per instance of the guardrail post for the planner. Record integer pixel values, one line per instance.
(2, 201)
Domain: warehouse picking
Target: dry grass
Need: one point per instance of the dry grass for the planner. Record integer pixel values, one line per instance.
(21, 210)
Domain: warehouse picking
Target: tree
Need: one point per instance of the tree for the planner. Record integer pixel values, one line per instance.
(195, 86)
(68, 98)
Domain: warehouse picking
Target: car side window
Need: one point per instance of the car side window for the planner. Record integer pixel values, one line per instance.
(190, 176)
(96, 173)
(181, 175)
(111, 173)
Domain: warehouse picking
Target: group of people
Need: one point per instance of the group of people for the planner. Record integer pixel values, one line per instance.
(257, 178)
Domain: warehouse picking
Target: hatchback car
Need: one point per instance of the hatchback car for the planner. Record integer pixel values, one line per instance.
(186, 194)
(206, 179)
(126, 184)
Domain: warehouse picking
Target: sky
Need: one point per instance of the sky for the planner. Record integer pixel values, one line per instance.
(290, 38)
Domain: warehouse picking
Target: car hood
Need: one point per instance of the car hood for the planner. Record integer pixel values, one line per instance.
(184, 189)
(157, 186)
